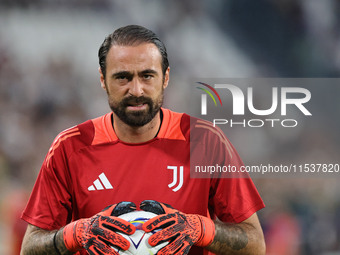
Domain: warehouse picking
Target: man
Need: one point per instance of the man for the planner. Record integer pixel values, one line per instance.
(130, 155)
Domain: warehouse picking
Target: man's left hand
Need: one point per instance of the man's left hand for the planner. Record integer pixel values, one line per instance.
(181, 230)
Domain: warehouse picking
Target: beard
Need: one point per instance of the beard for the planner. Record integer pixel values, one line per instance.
(137, 118)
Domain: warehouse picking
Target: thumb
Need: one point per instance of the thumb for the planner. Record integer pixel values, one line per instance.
(118, 209)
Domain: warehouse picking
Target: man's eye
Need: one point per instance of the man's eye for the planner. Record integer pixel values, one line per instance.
(122, 77)
(147, 76)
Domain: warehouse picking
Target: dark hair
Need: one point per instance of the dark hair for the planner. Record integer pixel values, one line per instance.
(129, 36)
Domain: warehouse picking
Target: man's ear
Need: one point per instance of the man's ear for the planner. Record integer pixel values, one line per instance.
(166, 78)
(102, 79)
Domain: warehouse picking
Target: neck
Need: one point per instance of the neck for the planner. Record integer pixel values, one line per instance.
(142, 134)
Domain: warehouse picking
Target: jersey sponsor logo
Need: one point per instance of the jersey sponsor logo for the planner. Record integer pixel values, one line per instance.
(101, 183)
(177, 178)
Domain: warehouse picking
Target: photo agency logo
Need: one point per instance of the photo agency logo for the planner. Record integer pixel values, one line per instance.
(253, 106)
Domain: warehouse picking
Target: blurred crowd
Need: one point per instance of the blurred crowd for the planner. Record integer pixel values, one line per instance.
(49, 81)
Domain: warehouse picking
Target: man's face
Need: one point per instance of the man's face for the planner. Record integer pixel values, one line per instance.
(134, 82)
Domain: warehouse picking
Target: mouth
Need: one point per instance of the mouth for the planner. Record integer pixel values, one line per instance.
(136, 107)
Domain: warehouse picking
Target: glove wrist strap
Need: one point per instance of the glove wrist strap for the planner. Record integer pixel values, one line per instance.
(208, 232)
(69, 236)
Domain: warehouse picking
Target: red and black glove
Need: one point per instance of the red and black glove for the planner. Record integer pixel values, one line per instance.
(98, 234)
(181, 230)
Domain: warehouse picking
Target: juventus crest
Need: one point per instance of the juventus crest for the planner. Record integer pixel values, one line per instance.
(177, 179)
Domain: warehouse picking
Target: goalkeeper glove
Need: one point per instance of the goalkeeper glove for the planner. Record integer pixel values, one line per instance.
(98, 234)
(180, 229)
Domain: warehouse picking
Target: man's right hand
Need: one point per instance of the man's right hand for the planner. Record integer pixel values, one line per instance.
(98, 234)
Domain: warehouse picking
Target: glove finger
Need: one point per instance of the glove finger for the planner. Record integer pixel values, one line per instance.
(185, 249)
(155, 207)
(109, 239)
(100, 249)
(123, 207)
(117, 224)
(152, 206)
(178, 246)
(171, 234)
(160, 221)
(118, 209)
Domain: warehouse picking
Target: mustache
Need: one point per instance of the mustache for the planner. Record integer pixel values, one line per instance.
(133, 100)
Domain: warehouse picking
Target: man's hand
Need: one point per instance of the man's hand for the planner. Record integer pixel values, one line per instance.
(98, 234)
(181, 230)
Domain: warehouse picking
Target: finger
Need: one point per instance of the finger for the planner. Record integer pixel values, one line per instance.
(122, 208)
(160, 221)
(170, 234)
(152, 206)
(179, 246)
(155, 207)
(118, 209)
(100, 249)
(185, 248)
(110, 239)
(117, 224)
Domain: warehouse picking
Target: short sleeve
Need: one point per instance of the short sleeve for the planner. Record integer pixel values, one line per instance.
(233, 196)
(49, 206)
(234, 199)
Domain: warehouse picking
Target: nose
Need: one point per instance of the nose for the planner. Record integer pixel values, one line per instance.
(136, 88)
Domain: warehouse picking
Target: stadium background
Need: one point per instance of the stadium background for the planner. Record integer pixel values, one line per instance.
(49, 81)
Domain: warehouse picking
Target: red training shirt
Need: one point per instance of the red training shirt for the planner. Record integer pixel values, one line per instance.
(88, 168)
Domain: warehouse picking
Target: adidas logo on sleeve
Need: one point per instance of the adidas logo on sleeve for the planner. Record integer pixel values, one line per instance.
(101, 183)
